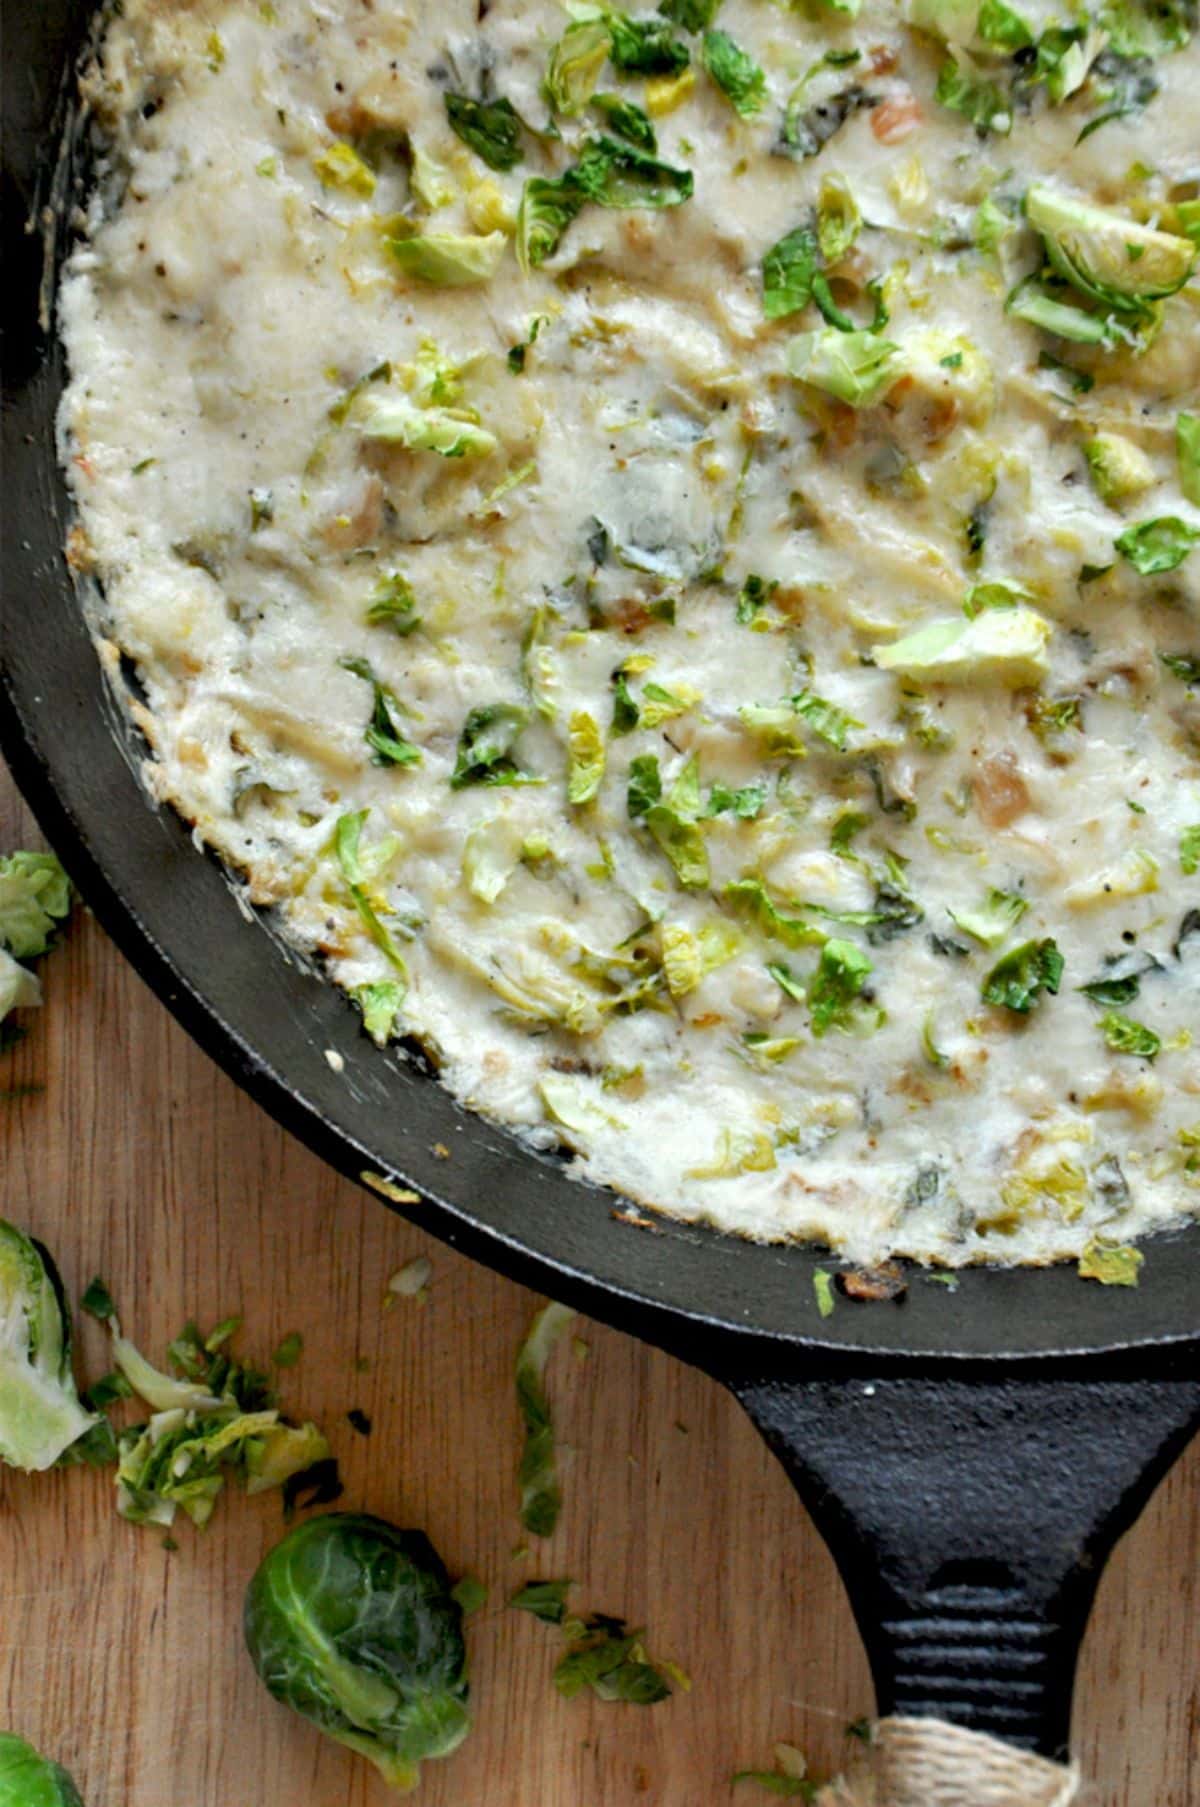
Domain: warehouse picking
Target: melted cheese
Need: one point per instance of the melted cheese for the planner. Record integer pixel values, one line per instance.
(760, 1000)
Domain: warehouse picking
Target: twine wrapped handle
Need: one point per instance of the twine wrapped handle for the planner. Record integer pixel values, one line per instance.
(929, 1763)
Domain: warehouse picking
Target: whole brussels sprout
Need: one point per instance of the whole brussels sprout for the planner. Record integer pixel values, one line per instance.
(351, 1622)
(27, 1780)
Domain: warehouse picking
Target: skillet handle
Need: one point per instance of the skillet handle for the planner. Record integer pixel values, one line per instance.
(970, 1520)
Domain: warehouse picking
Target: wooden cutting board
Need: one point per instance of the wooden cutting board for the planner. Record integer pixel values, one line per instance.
(131, 1155)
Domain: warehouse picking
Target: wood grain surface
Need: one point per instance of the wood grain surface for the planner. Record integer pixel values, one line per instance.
(132, 1155)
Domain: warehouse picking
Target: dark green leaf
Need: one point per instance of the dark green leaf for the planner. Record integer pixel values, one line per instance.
(627, 121)
(754, 595)
(1018, 980)
(625, 715)
(491, 128)
(645, 784)
(289, 1351)
(384, 733)
(97, 1301)
(645, 46)
(619, 175)
(485, 746)
(537, 1476)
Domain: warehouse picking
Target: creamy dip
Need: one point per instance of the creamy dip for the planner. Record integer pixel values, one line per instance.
(662, 544)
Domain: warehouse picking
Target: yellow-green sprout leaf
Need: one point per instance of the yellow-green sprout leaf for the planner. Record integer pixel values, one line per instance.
(659, 705)
(1159, 545)
(750, 897)
(1189, 854)
(449, 260)
(357, 867)
(1004, 646)
(735, 1154)
(19, 988)
(585, 750)
(569, 1103)
(838, 220)
(994, 919)
(1124, 1036)
(41, 1414)
(432, 185)
(1105, 255)
(688, 955)
(280, 1451)
(35, 899)
(1111, 1263)
(575, 65)
(673, 823)
(823, 1287)
(853, 367)
(395, 420)
(340, 166)
(380, 1003)
(1118, 467)
(491, 854)
(1187, 452)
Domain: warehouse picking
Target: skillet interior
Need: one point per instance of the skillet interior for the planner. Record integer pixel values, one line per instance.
(269, 1021)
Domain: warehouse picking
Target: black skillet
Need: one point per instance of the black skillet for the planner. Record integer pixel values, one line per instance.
(971, 1456)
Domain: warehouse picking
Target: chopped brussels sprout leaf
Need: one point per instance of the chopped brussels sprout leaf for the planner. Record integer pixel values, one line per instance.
(788, 271)
(841, 974)
(826, 1298)
(347, 836)
(485, 746)
(1111, 1264)
(750, 897)
(1124, 1036)
(735, 73)
(585, 746)
(351, 1622)
(853, 367)
(1118, 467)
(380, 1002)
(984, 103)
(491, 128)
(994, 919)
(395, 420)
(537, 1475)
(383, 733)
(394, 604)
(644, 46)
(41, 1415)
(340, 166)
(1187, 452)
(690, 15)
(619, 175)
(1189, 850)
(575, 65)
(610, 1660)
(1156, 546)
(35, 900)
(30, 1780)
(1106, 256)
(448, 260)
(1018, 980)
(1006, 646)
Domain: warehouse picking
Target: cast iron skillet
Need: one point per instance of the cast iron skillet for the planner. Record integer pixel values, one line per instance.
(970, 1456)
